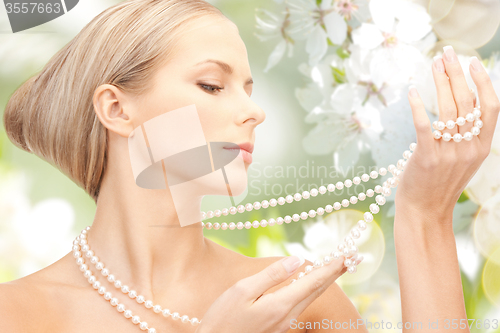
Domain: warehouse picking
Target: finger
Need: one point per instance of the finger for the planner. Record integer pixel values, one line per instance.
(269, 277)
(488, 100)
(446, 102)
(421, 121)
(460, 89)
(315, 282)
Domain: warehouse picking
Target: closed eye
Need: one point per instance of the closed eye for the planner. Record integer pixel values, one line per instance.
(210, 89)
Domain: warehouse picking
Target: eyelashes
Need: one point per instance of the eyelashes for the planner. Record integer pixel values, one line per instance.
(210, 88)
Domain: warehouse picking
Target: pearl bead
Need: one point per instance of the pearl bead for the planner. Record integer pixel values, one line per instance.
(478, 123)
(348, 183)
(441, 125)
(194, 321)
(217, 213)
(248, 225)
(370, 193)
(457, 137)
(337, 205)
(476, 113)
(361, 196)
(347, 262)
(210, 214)
(288, 219)
(314, 192)
(143, 326)
(105, 272)
(157, 308)
(446, 136)
(94, 260)
(264, 204)
(365, 177)
(301, 275)
(120, 307)
(468, 136)
(225, 211)
(125, 289)
(380, 199)
(378, 188)
(475, 130)
(304, 215)
(233, 210)
(281, 201)
(92, 279)
(273, 202)
(297, 196)
(248, 207)
(111, 278)
(280, 220)
(374, 208)
(87, 273)
(352, 269)
(136, 319)
(239, 225)
(356, 180)
(272, 222)
(341, 247)
(450, 124)
(255, 224)
(353, 249)
(289, 198)
(295, 217)
(263, 223)
(361, 225)
(317, 263)
(353, 199)
(312, 213)
(413, 146)
(132, 294)
(330, 187)
(345, 251)
(309, 268)
(89, 254)
(127, 314)
(374, 174)
(175, 316)
(434, 124)
(99, 266)
(185, 319)
(140, 299)
(232, 226)
(327, 260)
(166, 313)
(79, 260)
(83, 267)
(460, 121)
(469, 117)
(101, 290)
(322, 189)
(345, 203)
(320, 211)
(306, 195)
(216, 226)
(368, 217)
(355, 233)
(336, 255)
(437, 134)
(114, 301)
(240, 208)
(151, 330)
(148, 304)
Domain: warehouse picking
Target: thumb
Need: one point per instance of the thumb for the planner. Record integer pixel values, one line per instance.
(271, 276)
(425, 138)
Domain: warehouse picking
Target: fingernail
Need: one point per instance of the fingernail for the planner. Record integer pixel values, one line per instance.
(476, 64)
(413, 91)
(291, 263)
(449, 53)
(438, 63)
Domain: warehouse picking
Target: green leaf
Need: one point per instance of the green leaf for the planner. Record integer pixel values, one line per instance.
(343, 53)
(338, 75)
(318, 2)
(463, 197)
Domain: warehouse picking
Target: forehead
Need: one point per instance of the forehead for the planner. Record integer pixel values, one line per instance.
(210, 36)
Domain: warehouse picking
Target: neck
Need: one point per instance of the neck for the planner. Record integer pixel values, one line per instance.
(137, 235)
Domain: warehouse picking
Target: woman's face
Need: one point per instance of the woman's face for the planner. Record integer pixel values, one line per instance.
(209, 69)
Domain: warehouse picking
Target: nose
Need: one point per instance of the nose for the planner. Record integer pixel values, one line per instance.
(250, 113)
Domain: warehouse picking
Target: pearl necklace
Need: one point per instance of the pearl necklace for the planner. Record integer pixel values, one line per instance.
(347, 248)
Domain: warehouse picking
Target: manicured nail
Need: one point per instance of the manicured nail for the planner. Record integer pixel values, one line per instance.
(291, 263)
(413, 91)
(449, 53)
(438, 63)
(476, 64)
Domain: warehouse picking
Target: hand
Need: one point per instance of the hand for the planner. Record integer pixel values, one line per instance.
(438, 171)
(244, 309)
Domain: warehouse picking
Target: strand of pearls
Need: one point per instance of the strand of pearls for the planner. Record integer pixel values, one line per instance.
(92, 279)
(296, 197)
(474, 116)
(80, 247)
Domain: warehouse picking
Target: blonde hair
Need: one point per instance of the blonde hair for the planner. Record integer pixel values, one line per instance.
(52, 114)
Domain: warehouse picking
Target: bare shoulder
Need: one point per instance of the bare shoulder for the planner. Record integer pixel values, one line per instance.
(31, 303)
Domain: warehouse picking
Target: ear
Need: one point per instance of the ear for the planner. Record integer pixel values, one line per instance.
(114, 110)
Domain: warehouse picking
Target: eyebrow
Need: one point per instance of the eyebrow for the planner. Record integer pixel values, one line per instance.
(224, 66)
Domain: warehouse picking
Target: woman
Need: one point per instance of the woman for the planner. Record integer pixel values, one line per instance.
(138, 60)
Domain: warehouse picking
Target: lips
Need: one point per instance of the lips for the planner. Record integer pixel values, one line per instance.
(246, 149)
